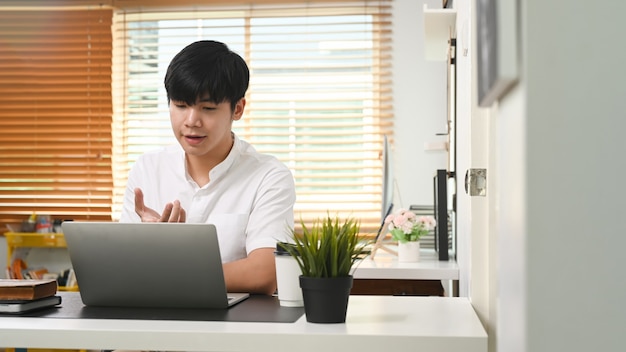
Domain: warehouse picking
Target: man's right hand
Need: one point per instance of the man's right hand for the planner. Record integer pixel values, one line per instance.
(173, 212)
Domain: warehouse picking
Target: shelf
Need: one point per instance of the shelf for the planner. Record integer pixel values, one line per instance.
(439, 25)
(387, 266)
(17, 240)
(33, 239)
(442, 146)
(68, 289)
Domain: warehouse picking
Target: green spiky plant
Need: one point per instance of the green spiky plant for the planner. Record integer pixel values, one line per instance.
(329, 248)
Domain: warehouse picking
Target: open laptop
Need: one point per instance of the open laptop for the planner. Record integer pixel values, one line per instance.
(159, 265)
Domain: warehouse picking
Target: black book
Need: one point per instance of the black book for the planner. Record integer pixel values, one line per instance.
(22, 306)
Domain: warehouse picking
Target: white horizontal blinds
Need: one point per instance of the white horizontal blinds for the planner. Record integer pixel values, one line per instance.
(319, 96)
(317, 101)
(55, 94)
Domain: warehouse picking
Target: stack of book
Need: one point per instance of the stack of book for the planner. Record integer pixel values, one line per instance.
(19, 296)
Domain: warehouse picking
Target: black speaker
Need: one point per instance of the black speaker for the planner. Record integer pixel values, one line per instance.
(440, 186)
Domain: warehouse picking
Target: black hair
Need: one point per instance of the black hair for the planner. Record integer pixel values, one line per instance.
(207, 67)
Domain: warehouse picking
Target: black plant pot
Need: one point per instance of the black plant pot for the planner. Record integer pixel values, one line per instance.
(325, 299)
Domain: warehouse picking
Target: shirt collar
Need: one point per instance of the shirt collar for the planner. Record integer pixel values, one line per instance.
(222, 168)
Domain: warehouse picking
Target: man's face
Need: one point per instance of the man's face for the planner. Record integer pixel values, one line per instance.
(204, 128)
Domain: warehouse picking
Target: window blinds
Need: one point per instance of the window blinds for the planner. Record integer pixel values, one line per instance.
(320, 99)
(55, 94)
(319, 96)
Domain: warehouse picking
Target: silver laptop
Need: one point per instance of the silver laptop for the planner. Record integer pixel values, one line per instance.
(161, 265)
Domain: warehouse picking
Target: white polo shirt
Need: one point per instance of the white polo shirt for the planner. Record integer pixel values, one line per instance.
(249, 198)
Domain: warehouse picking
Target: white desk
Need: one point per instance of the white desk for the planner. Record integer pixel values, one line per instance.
(373, 323)
(386, 266)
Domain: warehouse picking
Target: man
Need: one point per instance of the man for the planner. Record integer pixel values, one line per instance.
(212, 176)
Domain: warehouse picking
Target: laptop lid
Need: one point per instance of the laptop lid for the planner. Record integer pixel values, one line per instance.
(162, 265)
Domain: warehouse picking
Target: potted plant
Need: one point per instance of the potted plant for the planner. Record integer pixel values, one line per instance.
(326, 253)
(407, 228)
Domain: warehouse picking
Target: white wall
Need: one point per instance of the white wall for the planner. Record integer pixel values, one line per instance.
(419, 90)
(558, 230)
(542, 264)
(575, 122)
(420, 98)
(465, 149)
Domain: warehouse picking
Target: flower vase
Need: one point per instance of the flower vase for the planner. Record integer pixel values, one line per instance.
(409, 252)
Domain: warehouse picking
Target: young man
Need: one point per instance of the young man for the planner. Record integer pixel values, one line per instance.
(212, 176)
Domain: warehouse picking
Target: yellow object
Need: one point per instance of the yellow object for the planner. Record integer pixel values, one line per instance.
(32, 239)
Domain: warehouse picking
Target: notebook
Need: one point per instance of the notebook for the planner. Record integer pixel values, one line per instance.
(23, 306)
(158, 265)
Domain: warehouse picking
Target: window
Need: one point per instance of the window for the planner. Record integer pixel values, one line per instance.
(319, 96)
(55, 94)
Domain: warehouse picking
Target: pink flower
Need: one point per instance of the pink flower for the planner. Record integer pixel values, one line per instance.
(427, 221)
(404, 225)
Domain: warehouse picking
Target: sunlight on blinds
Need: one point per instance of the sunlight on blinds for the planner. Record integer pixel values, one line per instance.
(319, 96)
(55, 93)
